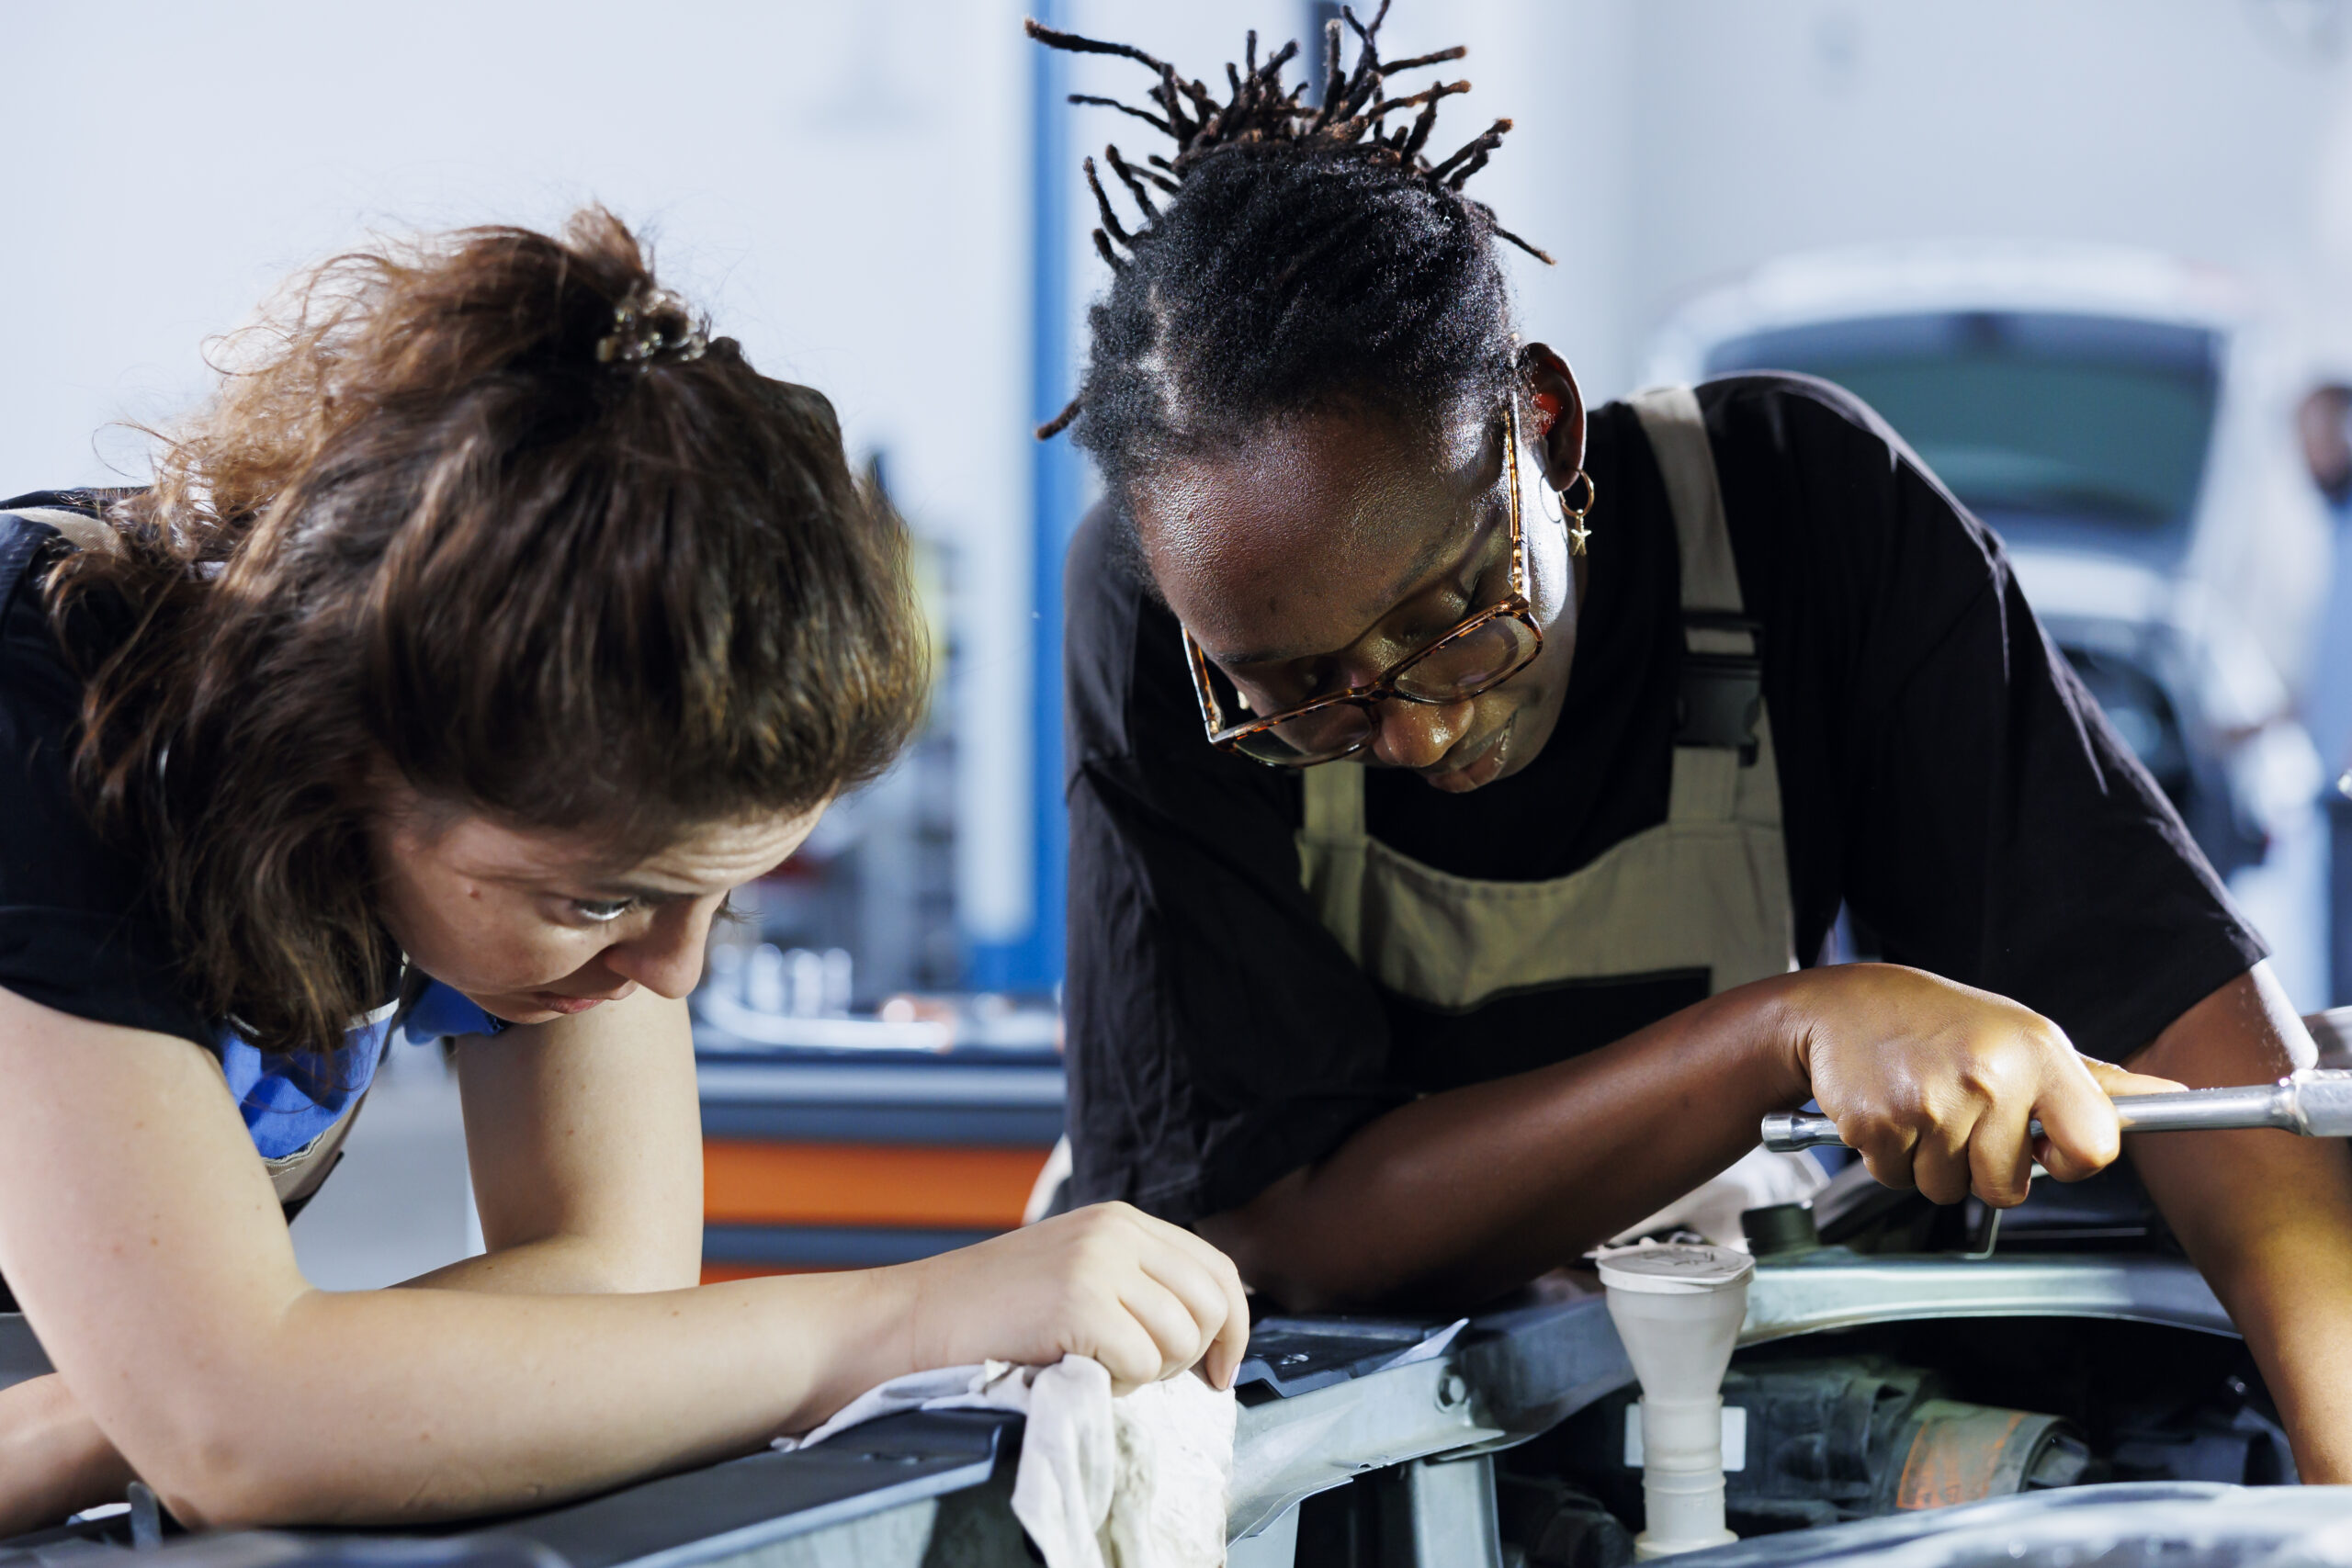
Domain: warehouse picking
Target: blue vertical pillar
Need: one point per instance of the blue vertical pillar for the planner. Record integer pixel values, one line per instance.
(1034, 960)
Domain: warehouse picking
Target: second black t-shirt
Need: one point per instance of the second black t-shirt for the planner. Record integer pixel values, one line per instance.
(1941, 771)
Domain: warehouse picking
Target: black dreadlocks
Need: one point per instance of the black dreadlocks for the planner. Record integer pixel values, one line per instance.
(1289, 256)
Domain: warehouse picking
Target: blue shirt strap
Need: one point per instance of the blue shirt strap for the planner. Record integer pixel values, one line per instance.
(442, 1011)
(288, 1100)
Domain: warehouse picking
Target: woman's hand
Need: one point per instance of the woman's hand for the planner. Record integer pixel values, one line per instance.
(1144, 1298)
(1933, 1082)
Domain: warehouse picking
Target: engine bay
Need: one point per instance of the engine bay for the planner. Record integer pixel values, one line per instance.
(1837, 1424)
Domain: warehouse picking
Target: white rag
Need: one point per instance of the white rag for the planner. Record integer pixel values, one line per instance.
(1139, 1482)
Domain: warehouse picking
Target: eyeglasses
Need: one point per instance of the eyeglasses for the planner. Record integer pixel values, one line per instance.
(1482, 652)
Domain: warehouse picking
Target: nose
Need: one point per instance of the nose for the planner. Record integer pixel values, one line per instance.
(1415, 735)
(666, 957)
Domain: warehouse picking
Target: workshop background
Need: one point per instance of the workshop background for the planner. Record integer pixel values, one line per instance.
(883, 199)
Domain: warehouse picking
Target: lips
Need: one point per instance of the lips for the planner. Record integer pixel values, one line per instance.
(1483, 768)
(554, 1001)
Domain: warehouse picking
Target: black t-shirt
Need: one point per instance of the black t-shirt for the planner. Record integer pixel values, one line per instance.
(78, 930)
(1941, 771)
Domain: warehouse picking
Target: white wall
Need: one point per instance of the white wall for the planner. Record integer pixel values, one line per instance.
(844, 184)
(844, 187)
(2194, 127)
(1556, 68)
(1662, 145)
(840, 185)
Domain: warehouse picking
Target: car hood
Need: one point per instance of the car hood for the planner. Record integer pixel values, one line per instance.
(2079, 585)
(2124, 607)
(2177, 1524)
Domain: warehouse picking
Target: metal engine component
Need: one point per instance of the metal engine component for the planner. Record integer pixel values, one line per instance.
(1832, 1440)
(1781, 1230)
(1554, 1526)
(1854, 1438)
(1965, 1454)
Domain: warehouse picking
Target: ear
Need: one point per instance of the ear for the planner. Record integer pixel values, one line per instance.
(1553, 388)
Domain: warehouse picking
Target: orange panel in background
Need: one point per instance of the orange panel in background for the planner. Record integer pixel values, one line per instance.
(861, 1184)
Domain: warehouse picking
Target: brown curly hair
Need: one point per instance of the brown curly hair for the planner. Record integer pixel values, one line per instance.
(438, 526)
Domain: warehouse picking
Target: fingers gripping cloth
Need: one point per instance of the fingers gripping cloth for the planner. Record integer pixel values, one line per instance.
(1138, 1481)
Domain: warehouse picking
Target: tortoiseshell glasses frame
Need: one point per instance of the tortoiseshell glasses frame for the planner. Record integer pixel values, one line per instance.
(1506, 630)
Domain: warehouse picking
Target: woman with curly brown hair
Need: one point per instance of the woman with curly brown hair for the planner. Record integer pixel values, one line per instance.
(467, 650)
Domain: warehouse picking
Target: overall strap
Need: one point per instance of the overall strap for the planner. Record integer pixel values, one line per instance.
(1678, 434)
(1721, 697)
(82, 530)
(1334, 803)
(20, 538)
(25, 529)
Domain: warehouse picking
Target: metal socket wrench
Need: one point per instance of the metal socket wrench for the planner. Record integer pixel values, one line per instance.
(2312, 1104)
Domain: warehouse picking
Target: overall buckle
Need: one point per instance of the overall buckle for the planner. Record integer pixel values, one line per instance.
(1723, 683)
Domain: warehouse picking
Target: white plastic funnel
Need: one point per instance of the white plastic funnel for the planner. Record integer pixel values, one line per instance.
(1679, 1310)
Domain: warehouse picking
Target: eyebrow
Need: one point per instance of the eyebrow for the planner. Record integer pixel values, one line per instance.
(588, 889)
(636, 893)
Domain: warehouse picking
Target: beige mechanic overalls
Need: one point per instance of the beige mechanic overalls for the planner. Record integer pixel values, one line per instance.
(1708, 888)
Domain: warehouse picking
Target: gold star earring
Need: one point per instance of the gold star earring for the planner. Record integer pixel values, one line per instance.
(1574, 516)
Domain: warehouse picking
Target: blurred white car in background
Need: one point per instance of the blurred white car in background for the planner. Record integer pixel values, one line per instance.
(2125, 423)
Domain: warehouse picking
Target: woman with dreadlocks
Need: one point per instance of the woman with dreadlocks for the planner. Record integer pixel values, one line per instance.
(1464, 781)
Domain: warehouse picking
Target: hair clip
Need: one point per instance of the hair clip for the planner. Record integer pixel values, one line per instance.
(638, 338)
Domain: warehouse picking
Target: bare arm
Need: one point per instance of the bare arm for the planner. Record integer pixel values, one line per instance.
(2267, 1216)
(1459, 1196)
(587, 1154)
(584, 1137)
(145, 1244)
